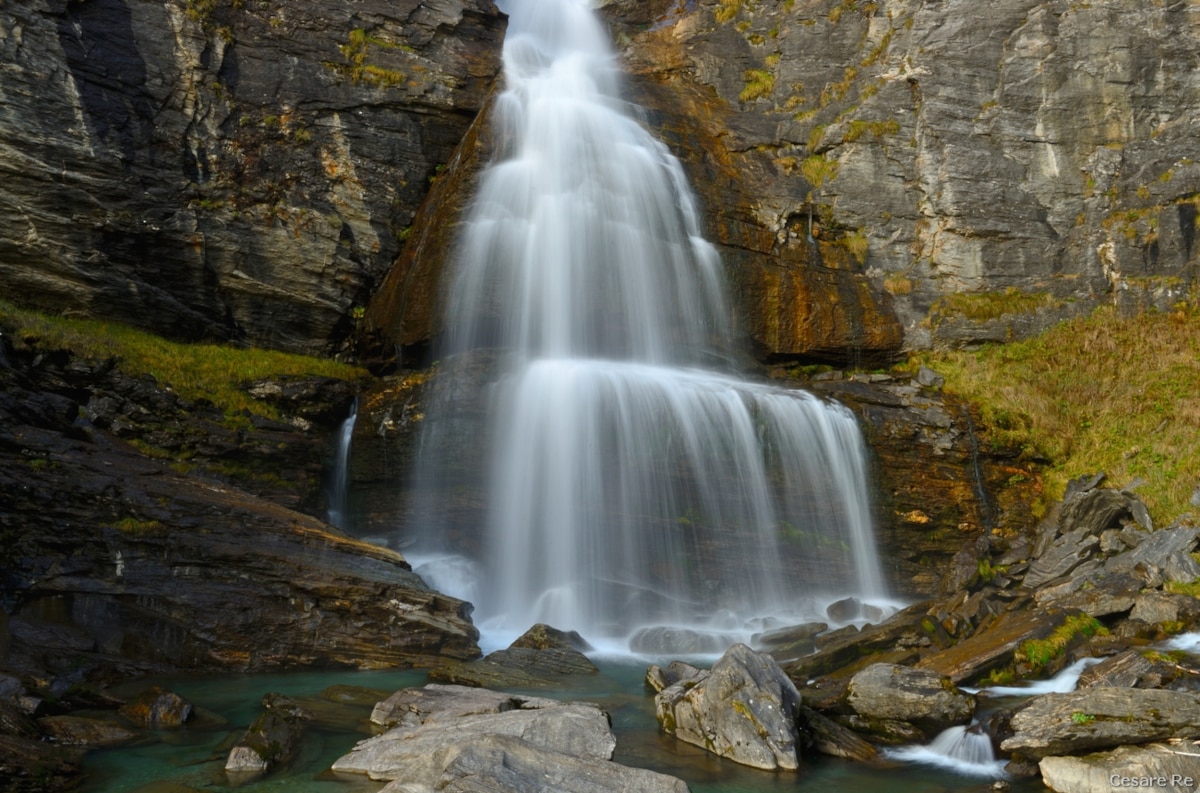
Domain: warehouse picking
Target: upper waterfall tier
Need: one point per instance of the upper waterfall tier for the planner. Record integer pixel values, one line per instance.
(583, 239)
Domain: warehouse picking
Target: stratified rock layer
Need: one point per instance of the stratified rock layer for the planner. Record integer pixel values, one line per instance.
(945, 150)
(222, 170)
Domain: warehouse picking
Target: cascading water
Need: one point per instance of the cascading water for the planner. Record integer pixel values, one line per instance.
(625, 485)
(338, 496)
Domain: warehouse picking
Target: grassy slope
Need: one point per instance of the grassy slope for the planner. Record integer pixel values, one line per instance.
(1100, 393)
(195, 371)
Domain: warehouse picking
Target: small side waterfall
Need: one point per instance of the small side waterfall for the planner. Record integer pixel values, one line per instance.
(964, 750)
(628, 478)
(338, 497)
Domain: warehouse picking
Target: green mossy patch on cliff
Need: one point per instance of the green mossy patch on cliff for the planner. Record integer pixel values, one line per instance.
(1102, 392)
(213, 372)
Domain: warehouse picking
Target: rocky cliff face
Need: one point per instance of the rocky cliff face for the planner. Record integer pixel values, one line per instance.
(112, 558)
(240, 170)
(983, 171)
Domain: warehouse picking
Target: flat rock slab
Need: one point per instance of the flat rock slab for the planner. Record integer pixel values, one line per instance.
(457, 716)
(1173, 768)
(441, 704)
(1102, 718)
(517, 667)
(503, 764)
(993, 646)
(456, 738)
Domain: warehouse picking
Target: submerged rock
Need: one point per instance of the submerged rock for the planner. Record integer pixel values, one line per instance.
(744, 709)
(81, 731)
(270, 740)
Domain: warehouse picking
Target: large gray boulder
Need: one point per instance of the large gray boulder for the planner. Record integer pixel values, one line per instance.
(503, 764)
(456, 738)
(1169, 767)
(1101, 718)
(744, 709)
(919, 696)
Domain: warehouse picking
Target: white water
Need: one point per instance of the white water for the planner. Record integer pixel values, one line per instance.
(1062, 683)
(964, 750)
(625, 485)
(338, 512)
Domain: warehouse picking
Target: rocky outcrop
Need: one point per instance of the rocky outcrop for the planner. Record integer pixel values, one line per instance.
(1101, 718)
(155, 564)
(542, 656)
(979, 175)
(456, 738)
(745, 709)
(227, 170)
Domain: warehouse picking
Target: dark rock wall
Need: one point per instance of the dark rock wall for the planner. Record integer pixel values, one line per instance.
(110, 558)
(232, 170)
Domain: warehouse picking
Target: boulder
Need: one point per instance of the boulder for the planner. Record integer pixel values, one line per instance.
(1123, 670)
(516, 667)
(919, 696)
(504, 764)
(1066, 553)
(831, 738)
(157, 708)
(1174, 768)
(457, 738)
(1101, 718)
(271, 739)
(1110, 594)
(1155, 550)
(543, 637)
(676, 672)
(1164, 608)
(441, 704)
(745, 709)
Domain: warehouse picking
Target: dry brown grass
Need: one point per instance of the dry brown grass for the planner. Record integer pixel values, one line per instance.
(1099, 393)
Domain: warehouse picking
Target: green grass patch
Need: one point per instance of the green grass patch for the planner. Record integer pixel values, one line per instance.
(1099, 393)
(980, 306)
(759, 84)
(213, 372)
(1040, 652)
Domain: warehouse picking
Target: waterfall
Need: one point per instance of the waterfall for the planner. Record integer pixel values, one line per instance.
(338, 512)
(964, 750)
(629, 479)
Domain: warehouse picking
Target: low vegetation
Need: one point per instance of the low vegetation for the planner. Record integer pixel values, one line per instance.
(195, 371)
(1104, 392)
(1039, 653)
